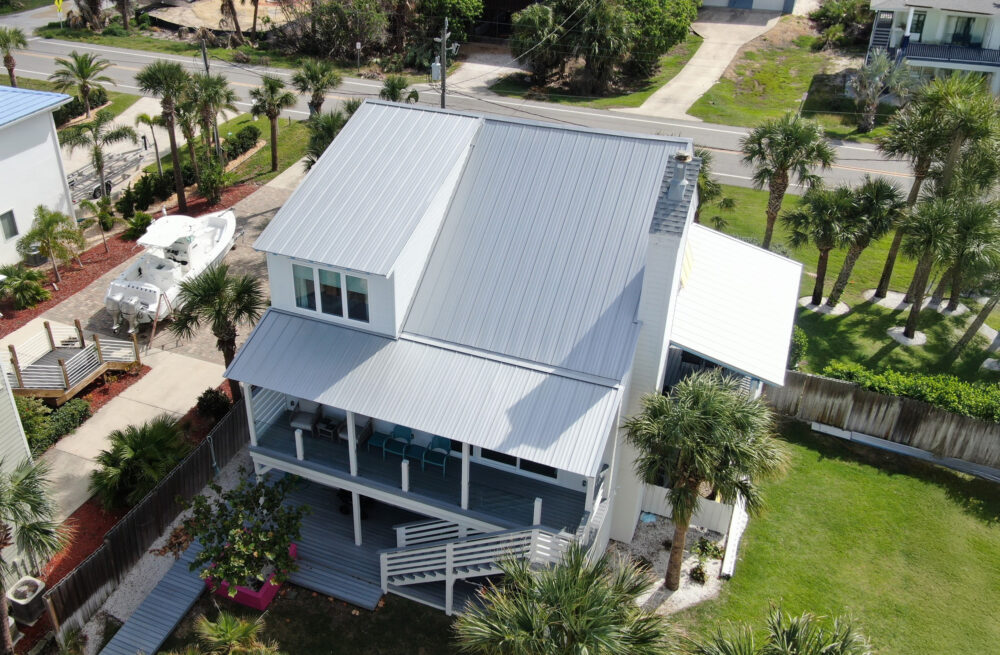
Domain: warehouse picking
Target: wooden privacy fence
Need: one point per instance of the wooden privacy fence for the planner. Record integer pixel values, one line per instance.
(847, 406)
(74, 599)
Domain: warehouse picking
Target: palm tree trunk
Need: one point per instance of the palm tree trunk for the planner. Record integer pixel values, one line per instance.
(228, 355)
(7, 645)
(912, 289)
(156, 146)
(55, 267)
(231, 6)
(85, 94)
(673, 577)
(274, 143)
(123, 10)
(948, 170)
(956, 289)
(175, 158)
(824, 258)
(939, 291)
(10, 64)
(192, 155)
(845, 274)
(973, 328)
(253, 26)
(775, 197)
(100, 225)
(919, 173)
(919, 282)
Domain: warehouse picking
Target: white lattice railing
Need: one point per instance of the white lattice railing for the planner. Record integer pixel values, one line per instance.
(432, 531)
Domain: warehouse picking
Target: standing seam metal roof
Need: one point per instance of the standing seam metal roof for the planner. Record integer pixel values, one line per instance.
(362, 200)
(544, 417)
(18, 103)
(542, 251)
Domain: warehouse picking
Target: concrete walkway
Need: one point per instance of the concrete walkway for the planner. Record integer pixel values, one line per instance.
(725, 31)
(481, 66)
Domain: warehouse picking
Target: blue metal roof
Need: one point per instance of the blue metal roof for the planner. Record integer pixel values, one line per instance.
(16, 104)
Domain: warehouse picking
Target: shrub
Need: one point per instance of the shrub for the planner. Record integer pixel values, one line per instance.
(143, 21)
(800, 345)
(139, 457)
(137, 226)
(972, 399)
(126, 204)
(35, 421)
(213, 404)
(244, 139)
(145, 192)
(114, 30)
(214, 181)
(74, 107)
(69, 417)
(23, 286)
(848, 21)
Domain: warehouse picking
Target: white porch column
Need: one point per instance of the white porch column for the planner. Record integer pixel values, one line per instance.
(300, 451)
(536, 518)
(248, 405)
(352, 444)
(405, 474)
(588, 489)
(356, 512)
(465, 475)
(909, 22)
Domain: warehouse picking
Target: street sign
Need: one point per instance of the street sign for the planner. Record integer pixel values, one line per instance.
(58, 4)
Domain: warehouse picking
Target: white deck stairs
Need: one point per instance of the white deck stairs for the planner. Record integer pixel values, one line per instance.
(444, 552)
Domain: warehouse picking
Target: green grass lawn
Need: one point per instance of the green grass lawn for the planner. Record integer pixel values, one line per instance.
(119, 101)
(304, 623)
(911, 550)
(670, 64)
(858, 336)
(772, 80)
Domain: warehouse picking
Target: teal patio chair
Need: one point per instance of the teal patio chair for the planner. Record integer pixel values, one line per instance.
(437, 454)
(377, 439)
(398, 442)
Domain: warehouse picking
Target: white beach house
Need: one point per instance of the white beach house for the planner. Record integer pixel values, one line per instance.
(464, 309)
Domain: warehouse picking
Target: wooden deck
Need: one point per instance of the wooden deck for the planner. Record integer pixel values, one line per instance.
(504, 499)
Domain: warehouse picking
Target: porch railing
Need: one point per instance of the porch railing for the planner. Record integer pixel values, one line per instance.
(420, 533)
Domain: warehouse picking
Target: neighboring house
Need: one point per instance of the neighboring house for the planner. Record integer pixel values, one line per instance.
(939, 36)
(503, 292)
(784, 6)
(13, 444)
(31, 167)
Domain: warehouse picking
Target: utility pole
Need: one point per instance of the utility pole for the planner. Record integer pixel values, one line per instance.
(215, 119)
(444, 57)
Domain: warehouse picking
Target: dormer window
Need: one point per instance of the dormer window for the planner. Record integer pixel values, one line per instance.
(332, 299)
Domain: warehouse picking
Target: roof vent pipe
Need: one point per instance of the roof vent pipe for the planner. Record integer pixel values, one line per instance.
(679, 183)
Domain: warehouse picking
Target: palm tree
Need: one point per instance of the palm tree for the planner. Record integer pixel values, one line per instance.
(316, 77)
(253, 26)
(95, 136)
(151, 122)
(228, 10)
(83, 73)
(11, 39)
(167, 80)
(974, 245)
(187, 122)
(211, 95)
(230, 635)
(323, 129)
(782, 148)
(787, 635)
(878, 206)
(574, 606)
(351, 105)
(394, 90)
(927, 233)
(138, 458)
(223, 302)
(709, 189)
(824, 219)
(23, 285)
(27, 520)
(992, 282)
(268, 100)
(914, 134)
(875, 80)
(124, 8)
(55, 235)
(706, 433)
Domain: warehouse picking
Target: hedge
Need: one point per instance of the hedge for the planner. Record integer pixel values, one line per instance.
(972, 399)
(74, 107)
(245, 139)
(44, 426)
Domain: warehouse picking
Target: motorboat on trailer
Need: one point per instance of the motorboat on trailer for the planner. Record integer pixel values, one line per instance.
(177, 249)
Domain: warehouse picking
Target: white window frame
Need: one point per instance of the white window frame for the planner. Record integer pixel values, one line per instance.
(317, 292)
(13, 218)
(477, 456)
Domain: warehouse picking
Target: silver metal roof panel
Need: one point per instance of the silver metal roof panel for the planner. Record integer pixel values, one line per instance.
(18, 104)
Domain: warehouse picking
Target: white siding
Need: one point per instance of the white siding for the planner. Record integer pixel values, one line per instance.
(409, 267)
(13, 445)
(380, 302)
(31, 174)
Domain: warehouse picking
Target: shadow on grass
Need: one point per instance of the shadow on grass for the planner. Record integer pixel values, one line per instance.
(976, 497)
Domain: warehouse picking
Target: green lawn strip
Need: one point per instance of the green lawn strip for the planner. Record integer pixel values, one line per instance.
(258, 56)
(22, 5)
(119, 101)
(858, 336)
(304, 623)
(911, 550)
(670, 64)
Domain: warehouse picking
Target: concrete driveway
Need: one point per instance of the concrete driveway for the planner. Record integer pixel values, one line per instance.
(725, 31)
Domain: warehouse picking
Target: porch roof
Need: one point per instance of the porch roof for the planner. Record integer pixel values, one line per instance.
(736, 305)
(546, 416)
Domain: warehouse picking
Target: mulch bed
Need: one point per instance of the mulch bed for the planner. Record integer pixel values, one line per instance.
(197, 426)
(102, 390)
(96, 263)
(197, 206)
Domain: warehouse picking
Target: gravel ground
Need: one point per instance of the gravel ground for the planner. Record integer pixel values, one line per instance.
(648, 547)
(148, 571)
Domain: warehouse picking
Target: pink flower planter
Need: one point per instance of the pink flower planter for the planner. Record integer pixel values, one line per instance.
(258, 600)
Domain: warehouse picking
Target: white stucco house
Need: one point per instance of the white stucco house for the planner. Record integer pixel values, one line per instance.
(935, 36)
(464, 309)
(31, 166)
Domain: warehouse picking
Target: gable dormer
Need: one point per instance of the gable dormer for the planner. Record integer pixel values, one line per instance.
(351, 244)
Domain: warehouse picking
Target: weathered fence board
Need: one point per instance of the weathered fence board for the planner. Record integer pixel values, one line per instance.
(872, 413)
(825, 401)
(785, 399)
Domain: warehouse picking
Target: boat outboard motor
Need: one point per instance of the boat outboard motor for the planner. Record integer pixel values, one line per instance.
(131, 308)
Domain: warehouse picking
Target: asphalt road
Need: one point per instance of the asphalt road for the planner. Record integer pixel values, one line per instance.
(853, 160)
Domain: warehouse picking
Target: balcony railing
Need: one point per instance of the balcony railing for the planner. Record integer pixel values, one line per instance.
(952, 53)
